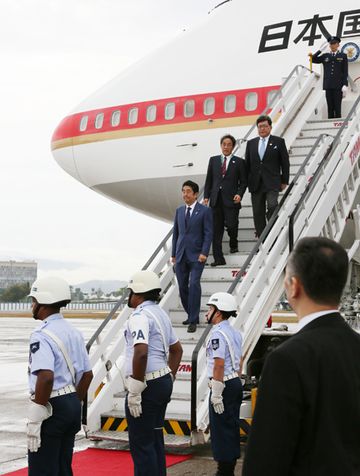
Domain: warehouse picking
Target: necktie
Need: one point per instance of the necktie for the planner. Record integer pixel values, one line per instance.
(223, 167)
(262, 149)
(187, 217)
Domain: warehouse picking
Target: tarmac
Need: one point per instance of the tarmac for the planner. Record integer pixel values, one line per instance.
(14, 338)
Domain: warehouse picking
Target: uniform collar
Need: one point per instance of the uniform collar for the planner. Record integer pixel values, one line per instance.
(53, 317)
(144, 304)
(221, 324)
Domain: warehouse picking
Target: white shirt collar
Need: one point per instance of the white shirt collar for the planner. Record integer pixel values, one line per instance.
(191, 207)
(228, 157)
(311, 317)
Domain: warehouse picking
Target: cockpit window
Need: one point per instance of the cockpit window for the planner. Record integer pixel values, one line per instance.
(83, 123)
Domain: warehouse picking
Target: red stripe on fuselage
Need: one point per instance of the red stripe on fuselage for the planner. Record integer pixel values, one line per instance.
(70, 126)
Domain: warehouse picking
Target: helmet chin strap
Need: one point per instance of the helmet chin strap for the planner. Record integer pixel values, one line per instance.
(212, 315)
(131, 293)
(35, 311)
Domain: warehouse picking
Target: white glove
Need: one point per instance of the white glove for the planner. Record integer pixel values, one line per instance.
(135, 387)
(344, 90)
(216, 396)
(36, 415)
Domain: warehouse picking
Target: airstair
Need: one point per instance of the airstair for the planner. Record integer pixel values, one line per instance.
(325, 180)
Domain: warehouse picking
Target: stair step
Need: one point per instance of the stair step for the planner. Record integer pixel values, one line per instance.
(123, 436)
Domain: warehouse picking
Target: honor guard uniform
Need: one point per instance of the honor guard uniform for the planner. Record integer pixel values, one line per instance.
(59, 377)
(223, 351)
(153, 354)
(335, 81)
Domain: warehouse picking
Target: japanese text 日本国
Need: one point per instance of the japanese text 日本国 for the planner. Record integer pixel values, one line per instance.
(277, 36)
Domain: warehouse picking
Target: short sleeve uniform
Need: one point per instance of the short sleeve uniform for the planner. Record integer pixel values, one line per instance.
(45, 354)
(142, 328)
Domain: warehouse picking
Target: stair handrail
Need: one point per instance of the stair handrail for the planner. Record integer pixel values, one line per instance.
(239, 276)
(327, 157)
(270, 106)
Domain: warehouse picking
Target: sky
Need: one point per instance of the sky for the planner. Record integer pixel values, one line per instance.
(54, 53)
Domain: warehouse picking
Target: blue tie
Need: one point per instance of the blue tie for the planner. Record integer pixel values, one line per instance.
(187, 217)
(262, 149)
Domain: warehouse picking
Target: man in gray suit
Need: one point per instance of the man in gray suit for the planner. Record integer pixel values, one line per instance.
(267, 164)
(307, 415)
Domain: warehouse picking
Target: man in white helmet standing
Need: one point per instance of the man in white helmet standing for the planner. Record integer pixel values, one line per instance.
(59, 377)
(153, 354)
(223, 351)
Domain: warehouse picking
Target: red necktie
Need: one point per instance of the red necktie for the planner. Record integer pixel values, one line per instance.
(223, 167)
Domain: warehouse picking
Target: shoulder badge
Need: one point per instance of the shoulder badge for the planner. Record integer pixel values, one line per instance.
(215, 343)
(34, 347)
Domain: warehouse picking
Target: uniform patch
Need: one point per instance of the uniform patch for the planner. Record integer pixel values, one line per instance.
(34, 347)
(215, 343)
(140, 335)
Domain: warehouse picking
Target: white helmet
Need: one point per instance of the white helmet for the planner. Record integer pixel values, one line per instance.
(144, 281)
(223, 302)
(50, 290)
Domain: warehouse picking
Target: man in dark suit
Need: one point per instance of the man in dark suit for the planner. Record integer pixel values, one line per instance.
(192, 235)
(335, 81)
(225, 186)
(267, 164)
(307, 415)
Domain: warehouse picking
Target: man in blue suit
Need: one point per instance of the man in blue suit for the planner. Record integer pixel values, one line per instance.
(192, 236)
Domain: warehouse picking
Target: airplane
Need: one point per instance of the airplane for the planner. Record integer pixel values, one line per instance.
(155, 125)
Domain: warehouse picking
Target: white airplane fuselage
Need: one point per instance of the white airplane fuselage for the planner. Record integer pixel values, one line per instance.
(138, 138)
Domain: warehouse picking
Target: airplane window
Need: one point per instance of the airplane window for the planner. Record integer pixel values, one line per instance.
(170, 111)
(251, 101)
(209, 106)
(83, 123)
(99, 120)
(151, 113)
(133, 115)
(115, 118)
(230, 103)
(189, 108)
(271, 95)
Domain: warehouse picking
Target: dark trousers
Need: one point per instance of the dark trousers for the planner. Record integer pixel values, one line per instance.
(333, 100)
(146, 437)
(224, 217)
(260, 200)
(54, 456)
(188, 274)
(225, 427)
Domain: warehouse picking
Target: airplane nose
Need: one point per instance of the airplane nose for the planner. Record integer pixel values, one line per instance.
(62, 147)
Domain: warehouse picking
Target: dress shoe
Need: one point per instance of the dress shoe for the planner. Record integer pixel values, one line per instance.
(186, 323)
(234, 250)
(218, 263)
(191, 328)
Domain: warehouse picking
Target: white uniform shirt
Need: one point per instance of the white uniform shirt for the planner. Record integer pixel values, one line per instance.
(45, 354)
(218, 347)
(141, 328)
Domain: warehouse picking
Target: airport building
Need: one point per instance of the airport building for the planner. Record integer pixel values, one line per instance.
(17, 272)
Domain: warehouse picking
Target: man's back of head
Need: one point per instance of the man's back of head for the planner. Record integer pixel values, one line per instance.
(321, 267)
